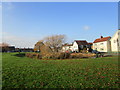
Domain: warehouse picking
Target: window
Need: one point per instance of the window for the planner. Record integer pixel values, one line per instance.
(101, 49)
(101, 43)
(75, 46)
(114, 41)
(95, 44)
(117, 39)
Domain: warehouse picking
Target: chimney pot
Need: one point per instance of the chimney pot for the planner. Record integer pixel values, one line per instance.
(101, 36)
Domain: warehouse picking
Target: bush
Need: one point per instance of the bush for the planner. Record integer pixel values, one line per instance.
(56, 55)
(59, 55)
(76, 55)
(89, 55)
(33, 55)
(82, 55)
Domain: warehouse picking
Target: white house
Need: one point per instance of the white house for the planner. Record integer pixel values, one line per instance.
(115, 42)
(67, 47)
(80, 45)
(76, 46)
(102, 44)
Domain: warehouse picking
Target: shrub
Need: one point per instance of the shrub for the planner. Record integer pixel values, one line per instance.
(88, 55)
(76, 55)
(82, 55)
(33, 55)
(56, 55)
(59, 55)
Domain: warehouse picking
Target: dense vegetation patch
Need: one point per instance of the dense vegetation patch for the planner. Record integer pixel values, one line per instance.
(59, 55)
(23, 72)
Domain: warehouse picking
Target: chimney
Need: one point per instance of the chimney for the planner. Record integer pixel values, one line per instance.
(101, 37)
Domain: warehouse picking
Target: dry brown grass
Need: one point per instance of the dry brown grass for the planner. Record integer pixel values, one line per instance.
(82, 55)
(59, 55)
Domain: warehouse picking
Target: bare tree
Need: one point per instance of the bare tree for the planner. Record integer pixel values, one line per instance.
(55, 42)
(4, 44)
(4, 47)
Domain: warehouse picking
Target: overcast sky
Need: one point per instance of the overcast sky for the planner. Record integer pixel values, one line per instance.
(25, 23)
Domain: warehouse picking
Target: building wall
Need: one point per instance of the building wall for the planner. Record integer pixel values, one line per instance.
(65, 48)
(109, 46)
(102, 46)
(115, 42)
(75, 47)
(71, 48)
(119, 40)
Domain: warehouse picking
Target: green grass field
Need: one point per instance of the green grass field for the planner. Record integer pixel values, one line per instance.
(23, 72)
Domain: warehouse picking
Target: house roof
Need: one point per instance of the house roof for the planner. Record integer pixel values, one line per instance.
(67, 45)
(81, 42)
(90, 43)
(102, 39)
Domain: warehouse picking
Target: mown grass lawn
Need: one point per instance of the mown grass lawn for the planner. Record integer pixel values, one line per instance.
(23, 72)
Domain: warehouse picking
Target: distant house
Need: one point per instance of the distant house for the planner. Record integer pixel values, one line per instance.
(80, 45)
(115, 42)
(90, 47)
(67, 47)
(11, 48)
(24, 49)
(7, 48)
(17, 50)
(77, 46)
(102, 44)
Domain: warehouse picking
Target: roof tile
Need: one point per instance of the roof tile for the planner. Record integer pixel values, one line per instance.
(102, 39)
